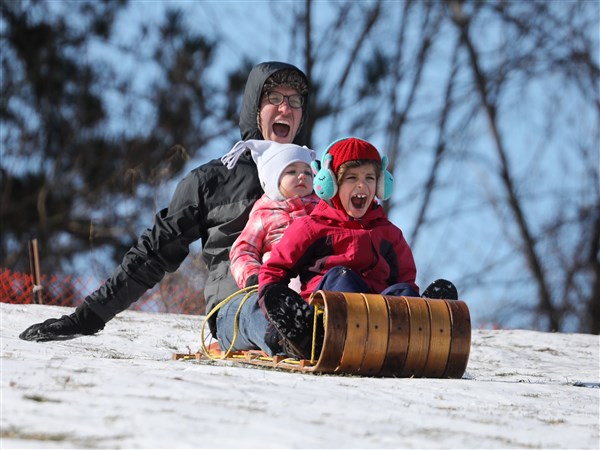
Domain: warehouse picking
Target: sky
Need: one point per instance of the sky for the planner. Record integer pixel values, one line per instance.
(121, 389)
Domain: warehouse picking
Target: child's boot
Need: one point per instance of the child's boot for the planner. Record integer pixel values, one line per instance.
(441, 289)
(292, 317)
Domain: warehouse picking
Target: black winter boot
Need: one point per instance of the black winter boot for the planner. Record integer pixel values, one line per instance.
(292, 317)
(274, 341)
(441, 289)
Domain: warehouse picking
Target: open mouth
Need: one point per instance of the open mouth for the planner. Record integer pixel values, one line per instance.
(359, 201)
(281, 129)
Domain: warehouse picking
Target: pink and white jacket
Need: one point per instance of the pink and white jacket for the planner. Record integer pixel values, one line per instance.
(268, 220)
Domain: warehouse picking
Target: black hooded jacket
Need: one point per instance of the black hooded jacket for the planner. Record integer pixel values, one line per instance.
(211, 203)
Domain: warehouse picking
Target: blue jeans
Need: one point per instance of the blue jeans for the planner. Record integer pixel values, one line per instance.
(252, 325)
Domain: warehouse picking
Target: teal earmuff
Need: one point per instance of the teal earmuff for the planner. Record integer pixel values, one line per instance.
(385, 184)
(325, 184)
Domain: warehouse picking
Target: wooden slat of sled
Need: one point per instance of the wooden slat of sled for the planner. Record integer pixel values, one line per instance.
(335, 319)
(399, 327)
(440, 337)
(418, 346)
(377, 334)
(461, 339)
(356, 333)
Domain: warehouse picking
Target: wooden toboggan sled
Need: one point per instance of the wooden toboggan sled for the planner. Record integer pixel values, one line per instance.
(375, 335)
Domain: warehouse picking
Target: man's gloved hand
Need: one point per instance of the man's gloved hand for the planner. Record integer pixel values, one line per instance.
(82, 321)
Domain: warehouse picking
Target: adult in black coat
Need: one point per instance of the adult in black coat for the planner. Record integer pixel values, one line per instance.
(211, 203)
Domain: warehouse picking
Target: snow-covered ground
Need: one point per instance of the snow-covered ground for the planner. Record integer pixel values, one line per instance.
(121, 389)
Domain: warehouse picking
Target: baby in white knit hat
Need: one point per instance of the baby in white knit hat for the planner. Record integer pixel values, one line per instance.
(286, 177)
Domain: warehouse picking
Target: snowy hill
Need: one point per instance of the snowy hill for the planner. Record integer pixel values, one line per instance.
(120, 389)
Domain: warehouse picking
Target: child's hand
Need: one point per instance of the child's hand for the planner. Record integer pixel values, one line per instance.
(252, 280)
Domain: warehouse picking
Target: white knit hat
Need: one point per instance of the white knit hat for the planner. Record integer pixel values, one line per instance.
(271, 159)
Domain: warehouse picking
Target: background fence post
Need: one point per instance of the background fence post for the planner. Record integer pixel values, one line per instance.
(34, 263)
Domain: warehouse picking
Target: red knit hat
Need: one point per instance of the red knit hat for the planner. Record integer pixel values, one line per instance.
(351, 149)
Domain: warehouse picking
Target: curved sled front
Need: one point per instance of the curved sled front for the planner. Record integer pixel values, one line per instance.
(379, 335)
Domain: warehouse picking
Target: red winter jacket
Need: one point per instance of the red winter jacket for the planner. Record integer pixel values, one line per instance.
(373, 247)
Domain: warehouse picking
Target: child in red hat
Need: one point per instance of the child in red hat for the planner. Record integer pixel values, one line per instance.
(346, 244)
(347, 228)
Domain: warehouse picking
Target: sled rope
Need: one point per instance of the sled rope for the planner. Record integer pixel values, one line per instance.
(249, 291)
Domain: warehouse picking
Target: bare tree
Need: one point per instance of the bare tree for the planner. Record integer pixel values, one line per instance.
(553, 301)
(529, 248)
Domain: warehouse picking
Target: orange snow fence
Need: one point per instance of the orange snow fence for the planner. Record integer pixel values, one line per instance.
(67, 290)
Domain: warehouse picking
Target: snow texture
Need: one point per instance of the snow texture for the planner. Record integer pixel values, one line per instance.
(121, 389)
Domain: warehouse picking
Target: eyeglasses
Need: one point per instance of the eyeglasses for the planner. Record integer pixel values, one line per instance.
(295, 101)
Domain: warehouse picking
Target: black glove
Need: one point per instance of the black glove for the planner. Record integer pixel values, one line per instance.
(82, 321)
(252, 280)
